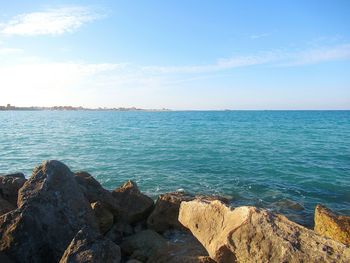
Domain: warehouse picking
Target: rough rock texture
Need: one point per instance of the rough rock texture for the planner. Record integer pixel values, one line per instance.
(118, 231)
(174, 253)
(333, 226)
(90, 247)
(134, 205)
(141, 245)
(103, 215)
(181, 247)
(9, 186)
(249, 234)
(166, 212)
(52, 209)
(5, 206)
(94, 192)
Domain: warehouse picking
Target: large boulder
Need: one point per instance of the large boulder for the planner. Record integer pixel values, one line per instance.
(333, 226)
(249, 234)
(134, 205)
(9, 186)
(52, 209)
(94, 192)
(103, 215)
(143, 244)
(91, 247)
(166, 211)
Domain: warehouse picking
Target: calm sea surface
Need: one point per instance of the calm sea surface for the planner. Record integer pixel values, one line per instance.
(287, 161)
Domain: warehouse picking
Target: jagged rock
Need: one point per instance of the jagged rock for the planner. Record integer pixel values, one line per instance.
(52, 209)
(333, 226)
(9, 186)
(94, 192)
(249, 234)
(5, 206)
(134, 205)
(103, 215)
(90, 247)
(166, 212)
(141, 245)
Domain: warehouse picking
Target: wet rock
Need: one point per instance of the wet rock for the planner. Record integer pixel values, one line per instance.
(103, 215)
(141, 245)
(333, 226)
(287, 204)
(166, 212)
(9, 186)
(90, 247)
(52, 209)
(249, 234)
(94, 192)
(5, 206)
(134, 205)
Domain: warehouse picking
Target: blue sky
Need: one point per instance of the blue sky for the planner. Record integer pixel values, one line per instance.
(176, 54)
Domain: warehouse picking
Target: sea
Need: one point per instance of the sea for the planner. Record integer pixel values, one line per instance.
(284, 161)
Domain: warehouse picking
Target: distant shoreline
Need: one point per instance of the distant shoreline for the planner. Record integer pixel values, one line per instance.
(72, 108)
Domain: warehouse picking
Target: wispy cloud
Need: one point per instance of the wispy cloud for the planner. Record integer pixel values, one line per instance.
(274, 58)
(257, 36)
(49, 22)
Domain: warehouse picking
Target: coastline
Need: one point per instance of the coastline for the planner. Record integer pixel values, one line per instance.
(125, 225)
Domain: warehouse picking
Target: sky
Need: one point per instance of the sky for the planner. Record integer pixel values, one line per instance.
(185, 54)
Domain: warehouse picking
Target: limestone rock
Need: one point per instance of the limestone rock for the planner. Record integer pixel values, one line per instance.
(94, 192)
(333, 226)
(249, 234)
(52, 209)
(134, 205)
(9, 186)
(5, 206)
(103, 215)
(166, 212)
(90, 247)
(141, 245)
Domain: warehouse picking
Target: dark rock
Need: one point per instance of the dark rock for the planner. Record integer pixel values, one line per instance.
(9, 186)
(166, 212)
(118, 231)
(134, 205)
(103, 216)
(5, 206)
(181, 247)
(94, 192)
(90, 247)
(141, 245)
(52, 209)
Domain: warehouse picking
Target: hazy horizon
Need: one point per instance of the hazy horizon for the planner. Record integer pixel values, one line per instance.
(184, 55)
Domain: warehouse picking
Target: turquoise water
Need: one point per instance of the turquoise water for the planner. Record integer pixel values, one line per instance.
(273, 159)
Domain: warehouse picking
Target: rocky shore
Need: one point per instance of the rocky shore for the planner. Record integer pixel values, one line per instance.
(61, 216)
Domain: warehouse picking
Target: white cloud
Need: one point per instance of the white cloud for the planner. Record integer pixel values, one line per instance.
(50, 22)
(9, 51)
(276, 58)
